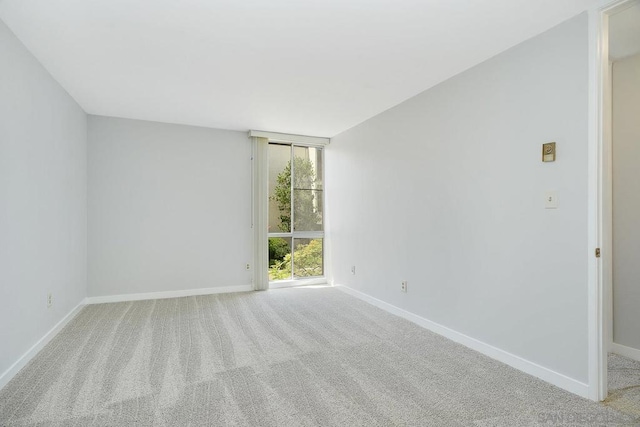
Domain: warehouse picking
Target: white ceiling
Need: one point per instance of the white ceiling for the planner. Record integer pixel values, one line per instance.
(624, 33)
(297, 66)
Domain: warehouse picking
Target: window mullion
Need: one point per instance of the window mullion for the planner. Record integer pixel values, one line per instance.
(291, 228)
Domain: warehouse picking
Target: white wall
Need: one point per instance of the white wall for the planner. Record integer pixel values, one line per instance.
(169, 207)
(446, 190)
(43, 205)
(626, 202)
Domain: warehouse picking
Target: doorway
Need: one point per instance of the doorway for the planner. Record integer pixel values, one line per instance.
(621, 206)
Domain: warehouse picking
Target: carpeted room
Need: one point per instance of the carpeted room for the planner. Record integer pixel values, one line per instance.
(429, 284)
(285, 357)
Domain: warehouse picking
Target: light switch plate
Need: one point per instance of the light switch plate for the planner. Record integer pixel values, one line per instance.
(551, 200)
(549, 152)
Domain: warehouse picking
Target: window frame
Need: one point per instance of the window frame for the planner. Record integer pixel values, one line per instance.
(293, 234)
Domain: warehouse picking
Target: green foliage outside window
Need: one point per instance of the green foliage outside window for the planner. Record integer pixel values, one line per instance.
(308, 261)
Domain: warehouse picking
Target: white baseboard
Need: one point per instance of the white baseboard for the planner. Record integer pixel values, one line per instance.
(545, 374)
(623, 350)
(26, 358)
(169, 294)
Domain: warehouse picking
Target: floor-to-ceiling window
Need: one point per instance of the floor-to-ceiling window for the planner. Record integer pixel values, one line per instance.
(296, 199)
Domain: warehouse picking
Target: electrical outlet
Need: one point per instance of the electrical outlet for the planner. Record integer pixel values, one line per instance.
(353, 269)
(403, 286)
(49, 300)
(248, 266)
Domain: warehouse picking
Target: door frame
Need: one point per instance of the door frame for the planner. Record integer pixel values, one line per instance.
(600, 205)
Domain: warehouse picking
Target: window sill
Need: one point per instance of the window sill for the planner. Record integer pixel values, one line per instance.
(298, 282)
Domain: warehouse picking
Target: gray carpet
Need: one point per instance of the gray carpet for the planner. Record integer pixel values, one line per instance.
(624, 384)
(287, 357)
